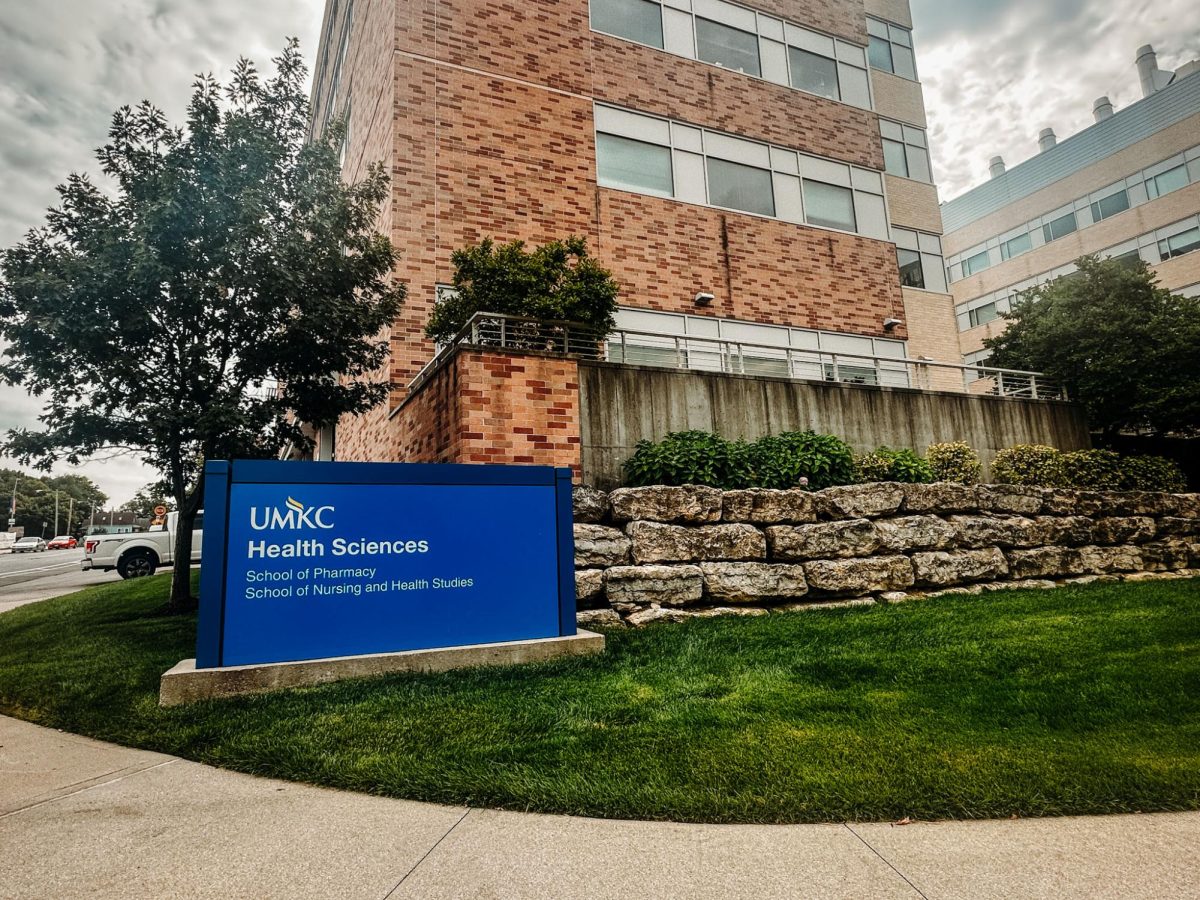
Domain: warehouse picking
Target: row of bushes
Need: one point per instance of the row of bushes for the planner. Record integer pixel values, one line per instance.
(1097, 470)
(817, 461)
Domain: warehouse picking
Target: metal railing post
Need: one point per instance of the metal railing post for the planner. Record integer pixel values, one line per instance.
(1033, 387)
(837, 375)
(999, 383)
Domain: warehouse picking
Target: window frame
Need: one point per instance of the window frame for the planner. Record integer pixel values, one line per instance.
(719, 162)
(757, 73)
(635, 188)
(1048, 231)
(1006, 246)
(969, 269)
(1097, 206)
(893, 37)
(825, 223)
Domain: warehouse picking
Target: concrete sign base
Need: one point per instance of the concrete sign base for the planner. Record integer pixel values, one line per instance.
(186, 684)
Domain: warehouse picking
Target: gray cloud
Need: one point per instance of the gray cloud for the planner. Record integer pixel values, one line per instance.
(67, 65)
(996, 74)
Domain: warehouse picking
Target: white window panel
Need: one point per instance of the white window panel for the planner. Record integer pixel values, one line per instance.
(846, 343)
(914, 136)
(934, 269)
(773, 59)
(687, 138)
(770, 28)
(679, 34)
(877, 28)
(752, 333)
(905, 239)
(805, 340)
(810, 40)
(871, 216)
(689, 177)
(1165, 166)
(633, 125)
(855, 89)
(643, 320)
(929, 243)
(866, 180)
(727, 14)
(891, 130)
(784, 161)
(852, 54)
(789, 204)
(891, 349)
(737, 150)
(825, 170)
(1194, 153)
(1194, 170)
(703, 326)
(679, 4)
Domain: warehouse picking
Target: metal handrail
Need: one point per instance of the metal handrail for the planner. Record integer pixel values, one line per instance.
(576, 339)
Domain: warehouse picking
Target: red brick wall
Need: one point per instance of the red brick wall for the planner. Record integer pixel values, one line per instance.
(492, 408)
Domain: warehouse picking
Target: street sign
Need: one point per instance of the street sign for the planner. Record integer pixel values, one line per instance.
(160, 510)
(316, 560)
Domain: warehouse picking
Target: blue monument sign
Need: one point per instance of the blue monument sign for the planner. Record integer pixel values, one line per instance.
(315, 560)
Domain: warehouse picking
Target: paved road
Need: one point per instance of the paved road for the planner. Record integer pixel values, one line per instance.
(79, 818)
(28, 577)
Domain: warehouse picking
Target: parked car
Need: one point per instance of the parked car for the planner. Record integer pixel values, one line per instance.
(63, 542)
(29, 545)
(139, 555)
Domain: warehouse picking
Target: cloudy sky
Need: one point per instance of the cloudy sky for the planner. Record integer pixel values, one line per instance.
(994, 73)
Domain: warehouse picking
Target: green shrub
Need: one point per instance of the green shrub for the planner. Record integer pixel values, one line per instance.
(690, 457)
(886, 464)
(1093, 470)
(782, 460)
(1152, 473)
(1029, 464)
(954, 461)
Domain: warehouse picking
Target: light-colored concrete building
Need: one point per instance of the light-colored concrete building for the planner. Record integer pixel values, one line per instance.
(1126, 187)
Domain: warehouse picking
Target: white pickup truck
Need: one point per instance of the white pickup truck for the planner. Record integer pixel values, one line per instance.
(138, 555)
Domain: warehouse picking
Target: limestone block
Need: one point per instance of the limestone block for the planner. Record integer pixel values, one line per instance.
(646, 585)
(859, 576)
(942, 569)
(1107, 560)
(589, 505)
(1011, 498)
(753, 582)
(824, 540)
(657, 542)
(690, 504)
(909, 533)
(1123, 530)
(1045, 562)
(769, 507)
(589, 585)
(857, 501)
(942, 497)
(598, 545)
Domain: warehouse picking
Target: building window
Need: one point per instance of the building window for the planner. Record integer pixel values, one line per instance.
(813, 73)
(737, 186)
(829, 205)
(1164, 183)
(634, 20)
(1060, 227)
(622, 162)
(981, 315)
(1022, 243)
(1179, 244)
(731, 48)
(890, 49)
(1109, 206)
(905, 151)
(911, 273)
(976, 263)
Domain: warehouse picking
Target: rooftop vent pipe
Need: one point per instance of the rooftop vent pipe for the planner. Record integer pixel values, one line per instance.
(1046, 139)
(1152, 77)
(1102, 109)
(996, 166)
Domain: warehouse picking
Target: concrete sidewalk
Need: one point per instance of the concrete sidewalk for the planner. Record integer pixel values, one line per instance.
(79, 818)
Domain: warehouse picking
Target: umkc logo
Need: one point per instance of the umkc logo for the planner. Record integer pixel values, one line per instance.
(294, 516)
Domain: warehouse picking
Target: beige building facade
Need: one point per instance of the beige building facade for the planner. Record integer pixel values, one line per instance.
(1127, 187)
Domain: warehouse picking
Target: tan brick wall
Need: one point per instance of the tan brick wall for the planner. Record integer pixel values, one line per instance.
(892, 10)
(898, 98)
(933, 335)
(1154, 149)
(913, 204)
(1092, 239)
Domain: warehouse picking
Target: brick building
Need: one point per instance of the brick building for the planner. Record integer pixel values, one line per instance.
(1127, 187)
(754, 173)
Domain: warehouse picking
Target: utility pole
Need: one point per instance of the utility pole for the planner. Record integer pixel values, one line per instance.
(56, 512)
(12, 508)
(70, 514)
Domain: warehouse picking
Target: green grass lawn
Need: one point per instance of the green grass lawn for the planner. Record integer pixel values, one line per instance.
(1079, 700)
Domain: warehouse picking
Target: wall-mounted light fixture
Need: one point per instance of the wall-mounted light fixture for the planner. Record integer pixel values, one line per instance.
(891, 324)
(703, 299)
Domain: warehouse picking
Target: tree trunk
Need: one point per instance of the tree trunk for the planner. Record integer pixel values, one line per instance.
(182, 600)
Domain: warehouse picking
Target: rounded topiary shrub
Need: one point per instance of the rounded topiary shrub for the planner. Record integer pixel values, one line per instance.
(1152, 473)
(785, 460)
(1094, 470)
(1029, 464)
(954, 461)
(886, 464)
(690, 457)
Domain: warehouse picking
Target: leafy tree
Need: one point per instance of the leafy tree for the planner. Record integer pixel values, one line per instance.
(557, 281)
(1124, 347)
(35, 500)
(225, 287)
(147, 498)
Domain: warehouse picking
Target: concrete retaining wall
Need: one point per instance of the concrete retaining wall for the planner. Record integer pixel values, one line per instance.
(644, 554)
(620, 405)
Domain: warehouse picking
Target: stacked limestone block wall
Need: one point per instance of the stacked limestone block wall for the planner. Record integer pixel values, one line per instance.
(650, 553)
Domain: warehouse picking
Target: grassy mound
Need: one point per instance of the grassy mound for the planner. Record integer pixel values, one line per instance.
(1079, 700)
